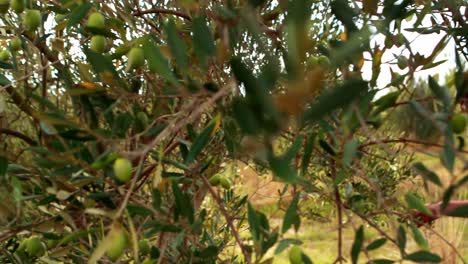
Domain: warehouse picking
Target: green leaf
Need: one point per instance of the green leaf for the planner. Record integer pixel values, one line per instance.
(253, 220)
(461, 211)
(176, 45)
(100, 62)
(333, 99)
(282, 168)
(426, 173)
(157, 63)
(447, 156)
(308, 147)
(183, 203)
(285, 243)
(291, 217)
(415, 203)
(203, 40)
(200, 142)
(401, 239)
(325, 146)
(344, 13)
(386, 102)
(381, 261)
(350, 150)
(78, 14)
(441, 92)
(357, 244)
(376, 244)
(419, 237)
(3, 166)
(423, 256)
(4, 80)
(135, 209)
(294, 149)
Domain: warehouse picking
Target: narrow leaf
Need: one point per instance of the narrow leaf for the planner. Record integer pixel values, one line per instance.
(426, 173)
(423, 256)
(357, 245)
(415, 203)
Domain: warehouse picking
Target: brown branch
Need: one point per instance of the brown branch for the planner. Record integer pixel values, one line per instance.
(162, 11)
(404, 141)
(19, 135)
(228, 219)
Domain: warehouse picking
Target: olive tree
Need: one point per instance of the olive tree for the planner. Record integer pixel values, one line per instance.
(119, 119)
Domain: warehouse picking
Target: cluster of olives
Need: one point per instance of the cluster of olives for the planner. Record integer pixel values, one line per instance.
(220, 180)
(31, 20)
(98, 42)
(97, 21)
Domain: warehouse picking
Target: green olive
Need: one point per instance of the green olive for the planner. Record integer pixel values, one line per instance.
(98, 44)
(4, 55)
(18, 5)
(96, 20)
(144, 246)
(458, 123)
(15, 44)
(4, 6)
(215, 180)
(122, 170)
(136, 58)
(35, 247)
(225, 183)
(118, 245)
(323, 61)
(32, 19)
(295, 255)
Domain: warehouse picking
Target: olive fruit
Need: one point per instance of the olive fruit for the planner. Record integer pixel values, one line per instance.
(4, 55)
(122, 170)
(295, 255)
(18, 5)
(214, 181)
(96, 20)
(35, 247)
(118, 244)
(144, 246)
(32, 19)
(148, 261)
(458, 123)
(323, 61)
(136, 58)
(4, 5)
(225, 183)
(15, 44)
(98, 44)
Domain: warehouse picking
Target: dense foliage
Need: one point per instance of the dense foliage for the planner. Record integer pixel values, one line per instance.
(122, 123)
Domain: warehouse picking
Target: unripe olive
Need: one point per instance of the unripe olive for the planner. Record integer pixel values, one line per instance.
(32, 19)
(149, 261)
(35, 247)
(98, 44)
(96, 20)
(323, 61)
(225, 183)
(4, 5)
(4, 55)
(144, 246)
(59, 17)
(18, 5)
(15, 44)
(312, 61)
(143, 118)
(458, 123)
(122, 170)
(119, 243)
(136, 58)
(214, 181)
(295, 255)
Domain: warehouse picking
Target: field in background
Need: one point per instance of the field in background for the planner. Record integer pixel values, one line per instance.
(320, 238)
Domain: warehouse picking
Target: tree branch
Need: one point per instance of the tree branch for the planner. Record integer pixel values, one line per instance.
(19, 135)
(162, 11)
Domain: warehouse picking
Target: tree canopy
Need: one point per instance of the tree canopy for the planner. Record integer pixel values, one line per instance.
(123, 124)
